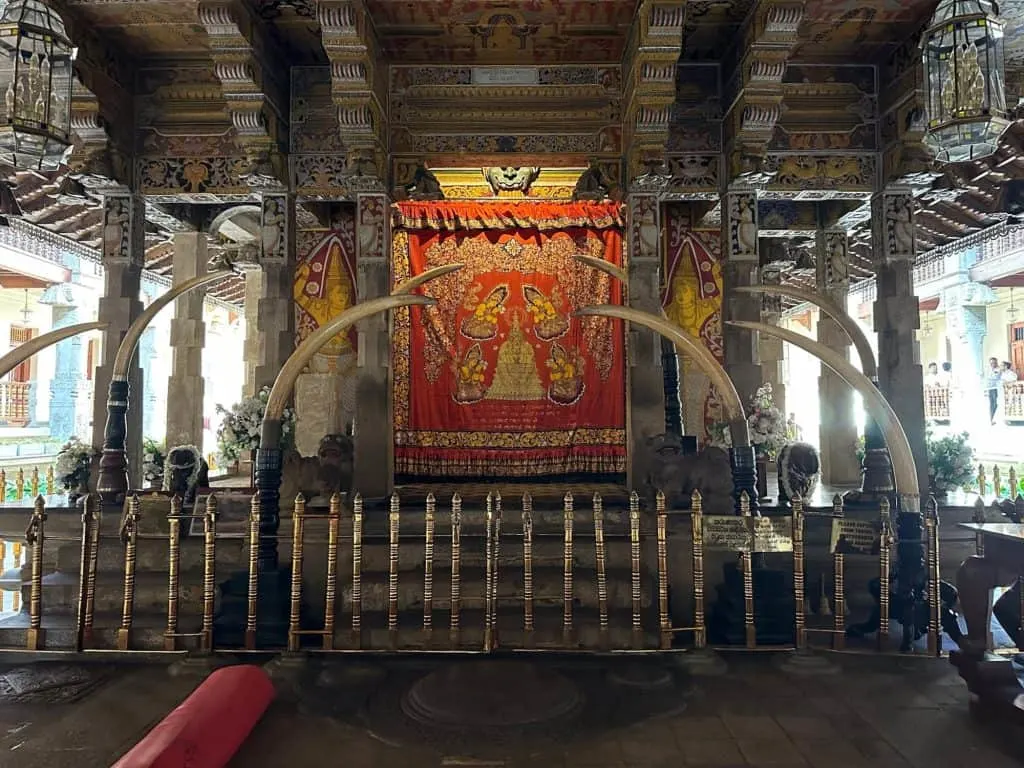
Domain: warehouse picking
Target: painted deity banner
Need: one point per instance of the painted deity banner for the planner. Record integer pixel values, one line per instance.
(324, 288)
(499, 379)
(693, 300)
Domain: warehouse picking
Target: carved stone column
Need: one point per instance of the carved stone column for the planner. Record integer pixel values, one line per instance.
(275, 322)
(373, 428)
(739, 235)
(966, 325)
(771, 350)
(186, 386)
(838, 427)
(251, 355)
(67, 372)
(123, 255)
(897, 318)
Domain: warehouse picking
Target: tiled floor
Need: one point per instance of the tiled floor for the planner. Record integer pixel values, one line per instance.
(885, 712)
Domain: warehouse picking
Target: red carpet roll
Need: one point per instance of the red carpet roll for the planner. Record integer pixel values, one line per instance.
(206, 729)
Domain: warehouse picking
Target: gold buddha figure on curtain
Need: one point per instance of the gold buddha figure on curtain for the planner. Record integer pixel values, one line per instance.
(515, 375)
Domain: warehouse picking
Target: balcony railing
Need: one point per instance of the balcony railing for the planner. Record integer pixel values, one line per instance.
(1013, 397)
(936, 402)
(15, 400)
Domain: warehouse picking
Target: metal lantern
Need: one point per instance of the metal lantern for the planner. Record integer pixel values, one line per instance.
(963, 65)
(36, 59)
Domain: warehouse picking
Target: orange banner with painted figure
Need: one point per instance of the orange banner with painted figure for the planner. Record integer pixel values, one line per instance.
(498, 379)
(693, 300)
(324, 288)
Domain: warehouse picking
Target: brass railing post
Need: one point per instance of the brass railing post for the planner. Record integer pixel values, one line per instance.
(34, 482)
(393, 545)
(634, 567)
(488, 572)
(885, 542)
(931, 524)
(90, 579)
(568, 518)
(295, 610)
(838, 583)
(428, 568)
(19, 485)
(527, 570)
(51, 481)
(981, 483)
(129, 535)
(747, 567)
(173, 568)
(997, 481)
(601, 562)
(664, 622)
(89, 521)
(209, 572)
(496, 572)
(357, 571)
(331, 582)
(34, 537)
(799, 590)
(254, 575)
(700, 632)
(454, 631)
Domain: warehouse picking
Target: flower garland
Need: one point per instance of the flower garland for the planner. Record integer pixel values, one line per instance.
(73, 463)
(767, 424)
(239, 432)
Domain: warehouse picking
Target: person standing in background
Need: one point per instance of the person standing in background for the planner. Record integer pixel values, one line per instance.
(993, 383)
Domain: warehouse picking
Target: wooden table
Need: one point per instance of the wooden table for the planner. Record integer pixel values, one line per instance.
(989, 677)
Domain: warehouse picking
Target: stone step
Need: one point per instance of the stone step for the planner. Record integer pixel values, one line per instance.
(547, 589)
(151, 554)
(474, 523)
(547, 633)
(60, 631)
(60, 592)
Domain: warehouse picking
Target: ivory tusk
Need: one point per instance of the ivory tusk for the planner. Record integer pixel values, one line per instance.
(904, 468)
(603, 266)
(833, 310)
(701, 356)
(23, 352)
(408, 286)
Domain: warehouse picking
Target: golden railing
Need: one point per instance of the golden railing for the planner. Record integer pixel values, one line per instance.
(746, 537)
(29, 486)
(936, 402)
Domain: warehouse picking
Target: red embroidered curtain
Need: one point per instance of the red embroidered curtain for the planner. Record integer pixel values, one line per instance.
(499, 379)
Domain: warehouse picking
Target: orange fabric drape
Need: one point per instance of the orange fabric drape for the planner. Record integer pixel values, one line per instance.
(499, 379)
(451, 216)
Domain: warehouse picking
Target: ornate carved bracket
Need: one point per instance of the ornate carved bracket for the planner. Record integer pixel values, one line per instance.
(754, 88)
(245, 62)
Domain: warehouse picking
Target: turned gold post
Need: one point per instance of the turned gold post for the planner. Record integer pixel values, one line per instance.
(331, 581)
(393, 543)
(838, 583)
(885, 542)
(19, 484)
(664, 622)
(209, 572)
(34, 537)
(747, 566)
(700, 632)
(799, 619)
(428, 568)
(295, 609)
(357, 571)
(34, 482)
(129, 535)
(567, 569)
(91, 500)
(634, 567)
(254, 575)
(456, 580)
(931, 526)
(528, 569)
(600, 560)
(173, 569)
(88, 521)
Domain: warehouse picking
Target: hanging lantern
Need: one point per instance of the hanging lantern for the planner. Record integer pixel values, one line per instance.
(964, 80)
(36, 59)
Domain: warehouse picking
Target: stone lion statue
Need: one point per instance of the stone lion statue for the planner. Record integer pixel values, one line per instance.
(185, 470)
(798, 471)
(320, 477)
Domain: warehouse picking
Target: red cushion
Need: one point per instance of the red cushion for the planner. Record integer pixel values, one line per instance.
(206, 729)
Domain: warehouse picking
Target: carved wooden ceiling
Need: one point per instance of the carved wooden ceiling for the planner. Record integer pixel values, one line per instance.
(181, 103)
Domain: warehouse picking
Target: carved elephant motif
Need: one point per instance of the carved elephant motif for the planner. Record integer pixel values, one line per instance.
(798, 470)
(678, 476)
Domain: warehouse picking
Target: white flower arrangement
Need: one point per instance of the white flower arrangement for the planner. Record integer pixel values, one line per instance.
(73, 462)
(239, 431)
(153, 458)
(767, 424)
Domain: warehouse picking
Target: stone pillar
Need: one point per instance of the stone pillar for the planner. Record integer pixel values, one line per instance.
(123, 254)
(739, 236)
(253, 294)
(646, 379)
(373, 429)
(966, 324)
(838, 427)
(770, 349)
(897, 318)
(68, 368)
(186, 386)
(275, 322)
(147, 353)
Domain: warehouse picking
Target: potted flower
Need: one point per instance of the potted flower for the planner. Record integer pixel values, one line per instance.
(767, 426)
(238, 436)
(153, 458)
(72, 471)
(950, 463)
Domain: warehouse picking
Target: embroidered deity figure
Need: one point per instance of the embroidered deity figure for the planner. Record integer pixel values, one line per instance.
(515, 375)
(548, 322)
(566, 375)
(469, 379)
